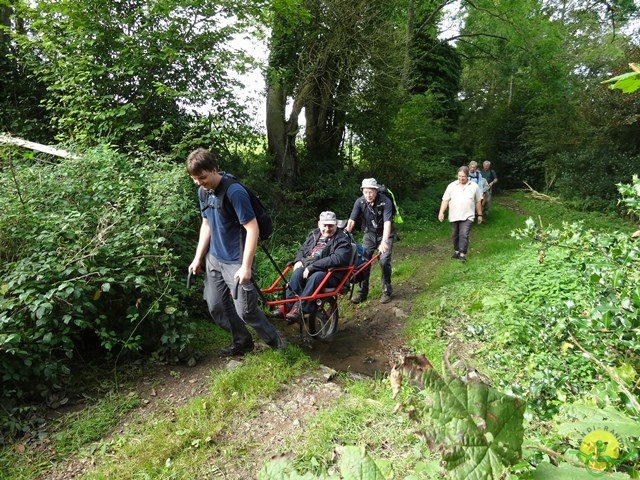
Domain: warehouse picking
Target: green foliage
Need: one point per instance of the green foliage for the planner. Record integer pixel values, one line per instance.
(419, 143)
(91, 247)
(631, 197)
(592, 187)
(342, 63)
(627, 82)
(353, 464)
(129, 71)
(478, 429)
(595, 327)
(533, 102)
(21, 96)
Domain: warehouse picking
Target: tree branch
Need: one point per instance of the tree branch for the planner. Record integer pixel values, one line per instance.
(57, 152)
(610, 372)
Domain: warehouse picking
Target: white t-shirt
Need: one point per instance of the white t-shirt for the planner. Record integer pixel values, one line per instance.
(462, 200)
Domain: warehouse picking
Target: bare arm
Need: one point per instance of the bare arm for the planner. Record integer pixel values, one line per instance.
(479, 211)
(350, 225)
(243, 275)
(384, 246)
(202, 248)
(443, 208)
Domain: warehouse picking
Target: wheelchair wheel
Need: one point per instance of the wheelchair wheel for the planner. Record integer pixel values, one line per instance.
(323, 320)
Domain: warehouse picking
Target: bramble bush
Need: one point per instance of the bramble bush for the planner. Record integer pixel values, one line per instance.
(580, 314)
(601, 308)
(89, 250)
(578, 290)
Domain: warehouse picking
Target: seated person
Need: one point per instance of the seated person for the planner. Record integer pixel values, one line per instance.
(326, 247)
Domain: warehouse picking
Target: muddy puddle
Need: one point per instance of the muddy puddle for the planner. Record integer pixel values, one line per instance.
(351, 349)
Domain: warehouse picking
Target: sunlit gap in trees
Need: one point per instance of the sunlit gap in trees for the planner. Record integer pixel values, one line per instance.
(451, 21)
(249, 85)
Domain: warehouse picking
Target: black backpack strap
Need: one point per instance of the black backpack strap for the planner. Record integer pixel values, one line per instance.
(203, 196)
(221, 192)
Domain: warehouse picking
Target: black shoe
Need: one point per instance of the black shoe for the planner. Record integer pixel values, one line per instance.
(463, 259)
(277, 313)
(455, 256)
(294, 316)
(358, 298)
(233, 350)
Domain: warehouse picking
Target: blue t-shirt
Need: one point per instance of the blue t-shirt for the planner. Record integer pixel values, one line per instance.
(227, 234)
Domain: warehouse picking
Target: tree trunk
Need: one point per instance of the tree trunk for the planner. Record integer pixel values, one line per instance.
(325, 127)
(281, 134)
(5, 21)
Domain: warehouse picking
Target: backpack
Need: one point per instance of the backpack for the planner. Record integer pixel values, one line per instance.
(397, 218)
(265, 224)
(491, 174)
(475, 177)
(358, 259)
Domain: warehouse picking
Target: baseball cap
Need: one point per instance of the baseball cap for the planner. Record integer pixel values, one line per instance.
(328, 218)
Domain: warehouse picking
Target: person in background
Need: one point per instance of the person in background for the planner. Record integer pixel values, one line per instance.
(474, 174)
(491, 178)
(476, 177)
(326, 247)
(376, 211)
(228, 246)
(463, 198)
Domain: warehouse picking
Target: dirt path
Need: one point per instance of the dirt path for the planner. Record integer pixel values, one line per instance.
(368, 337)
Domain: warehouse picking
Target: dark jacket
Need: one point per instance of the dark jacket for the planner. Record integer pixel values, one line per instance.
(373, 217)
(337, 253)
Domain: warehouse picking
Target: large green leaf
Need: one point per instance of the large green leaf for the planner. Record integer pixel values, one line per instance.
(478, 429)
(565, 471)
(627, 82)
(353, 464)
(283, 469)
(580, 417)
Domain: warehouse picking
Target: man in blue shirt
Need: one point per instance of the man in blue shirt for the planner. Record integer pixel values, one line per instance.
(229, 245)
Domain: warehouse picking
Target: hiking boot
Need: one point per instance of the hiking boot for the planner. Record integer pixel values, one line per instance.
(277, 313)
(385, 298)
(279, 343)
(294, 316)
(358, 297)
(455, 255)
(233, 350)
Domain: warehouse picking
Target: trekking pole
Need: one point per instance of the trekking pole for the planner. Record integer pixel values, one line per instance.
(273, 262)
(257, 287)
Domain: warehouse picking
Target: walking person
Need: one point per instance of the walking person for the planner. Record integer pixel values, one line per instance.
(463, 198)
(491, 178)
(376, 211)
(476, 177)
(474, 174)
(228, 246)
